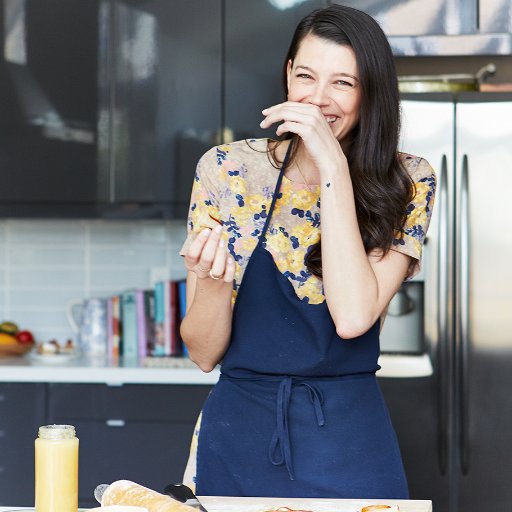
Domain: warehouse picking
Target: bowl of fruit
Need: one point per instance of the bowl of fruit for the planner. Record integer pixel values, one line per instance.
(14, 341)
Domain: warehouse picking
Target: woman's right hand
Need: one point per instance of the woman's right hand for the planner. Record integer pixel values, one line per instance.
(208, 257)
(206, 327)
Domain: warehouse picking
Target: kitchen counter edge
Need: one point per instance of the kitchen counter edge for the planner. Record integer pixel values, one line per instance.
(89, 372)
(183, 372)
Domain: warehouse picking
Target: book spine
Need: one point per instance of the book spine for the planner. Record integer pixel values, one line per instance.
(142, 340)
(116, 327)
(174, 321)
(167, 319)
(129, 309)
(182, 307)
(149, 316)
(159, 342)
(110, 327)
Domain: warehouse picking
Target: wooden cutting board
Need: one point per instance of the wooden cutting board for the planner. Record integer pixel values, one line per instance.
(230, 504)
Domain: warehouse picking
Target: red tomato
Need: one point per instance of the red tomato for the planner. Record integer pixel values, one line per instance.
(25, 337)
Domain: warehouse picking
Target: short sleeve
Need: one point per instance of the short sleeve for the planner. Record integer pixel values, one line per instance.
(204, 204)
(419, 212)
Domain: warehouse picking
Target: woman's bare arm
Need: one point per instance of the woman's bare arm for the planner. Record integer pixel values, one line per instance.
(206, 327)
(357, 286)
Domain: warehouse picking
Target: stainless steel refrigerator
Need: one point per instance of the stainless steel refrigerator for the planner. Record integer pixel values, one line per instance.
(454, 423)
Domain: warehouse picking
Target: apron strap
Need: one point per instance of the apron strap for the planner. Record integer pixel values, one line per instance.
(277, 189)
(280, 450)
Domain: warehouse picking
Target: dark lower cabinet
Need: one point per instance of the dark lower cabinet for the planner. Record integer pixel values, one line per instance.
(134, 432)
(151, 454)
(22, 411)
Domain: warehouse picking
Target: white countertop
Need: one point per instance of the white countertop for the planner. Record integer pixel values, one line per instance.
(221, 504)
(85, 371)
(178, 371)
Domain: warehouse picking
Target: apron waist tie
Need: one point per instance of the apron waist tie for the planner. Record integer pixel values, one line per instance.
(280, 445)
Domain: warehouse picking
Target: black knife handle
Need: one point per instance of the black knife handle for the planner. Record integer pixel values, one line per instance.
(179, 492)
(184, 494)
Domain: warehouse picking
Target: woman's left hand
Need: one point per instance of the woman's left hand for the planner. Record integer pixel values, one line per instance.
(309, 123)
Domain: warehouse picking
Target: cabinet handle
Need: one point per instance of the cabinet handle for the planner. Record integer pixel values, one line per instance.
(2, 397)
(115, 423)
(2, 433)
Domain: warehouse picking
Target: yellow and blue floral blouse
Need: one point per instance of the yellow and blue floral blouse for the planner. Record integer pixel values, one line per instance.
(234, 184)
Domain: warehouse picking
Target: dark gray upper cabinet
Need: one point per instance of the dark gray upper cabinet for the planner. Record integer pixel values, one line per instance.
(48, 98)
(257, 36)
(160, 96)
(107, 105)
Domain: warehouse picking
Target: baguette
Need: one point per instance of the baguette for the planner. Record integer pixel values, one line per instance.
(118, 508)
(124, 492)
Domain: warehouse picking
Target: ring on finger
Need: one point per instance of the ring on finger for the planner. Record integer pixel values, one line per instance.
(213, 276)
(203, 269)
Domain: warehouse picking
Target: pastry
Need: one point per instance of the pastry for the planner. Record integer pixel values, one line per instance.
(286, 509)
(380, 508)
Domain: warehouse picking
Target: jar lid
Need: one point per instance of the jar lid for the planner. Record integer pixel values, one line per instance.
(57, 432)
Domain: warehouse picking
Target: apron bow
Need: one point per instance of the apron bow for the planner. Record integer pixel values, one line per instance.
(280, 446)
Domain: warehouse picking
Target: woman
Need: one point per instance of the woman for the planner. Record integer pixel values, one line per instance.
(293, 317)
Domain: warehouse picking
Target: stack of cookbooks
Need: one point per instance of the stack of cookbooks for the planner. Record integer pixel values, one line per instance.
(144, 323)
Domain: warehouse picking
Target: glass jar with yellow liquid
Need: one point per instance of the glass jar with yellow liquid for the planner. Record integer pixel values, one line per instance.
(56, 476)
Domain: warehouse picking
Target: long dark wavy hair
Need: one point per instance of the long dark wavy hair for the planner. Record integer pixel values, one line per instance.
(382, 186)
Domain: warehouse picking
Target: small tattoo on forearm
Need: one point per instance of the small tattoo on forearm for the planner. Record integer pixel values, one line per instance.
(328, 185)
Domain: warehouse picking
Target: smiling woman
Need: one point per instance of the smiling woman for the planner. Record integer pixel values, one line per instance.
(317, 232)
(313, 79)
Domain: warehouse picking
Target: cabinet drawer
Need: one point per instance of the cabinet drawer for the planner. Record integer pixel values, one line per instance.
(21, 404)
(22, 411)
(131, 402)
(152, 454)
(15, 397)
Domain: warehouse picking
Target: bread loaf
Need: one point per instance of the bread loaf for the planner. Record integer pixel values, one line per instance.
(124, 492)
(118, 508)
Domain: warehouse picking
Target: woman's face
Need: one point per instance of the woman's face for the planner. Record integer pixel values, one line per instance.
(325, 74)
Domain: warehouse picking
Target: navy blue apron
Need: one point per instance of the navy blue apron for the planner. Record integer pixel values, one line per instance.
(297, 411)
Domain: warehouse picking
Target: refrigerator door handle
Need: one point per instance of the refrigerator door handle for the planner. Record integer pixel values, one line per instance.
(463, 316)
(442, 319)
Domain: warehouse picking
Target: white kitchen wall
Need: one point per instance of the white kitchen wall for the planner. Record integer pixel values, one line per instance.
(46, 264)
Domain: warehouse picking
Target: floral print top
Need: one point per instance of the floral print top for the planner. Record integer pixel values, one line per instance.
(234, 184)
